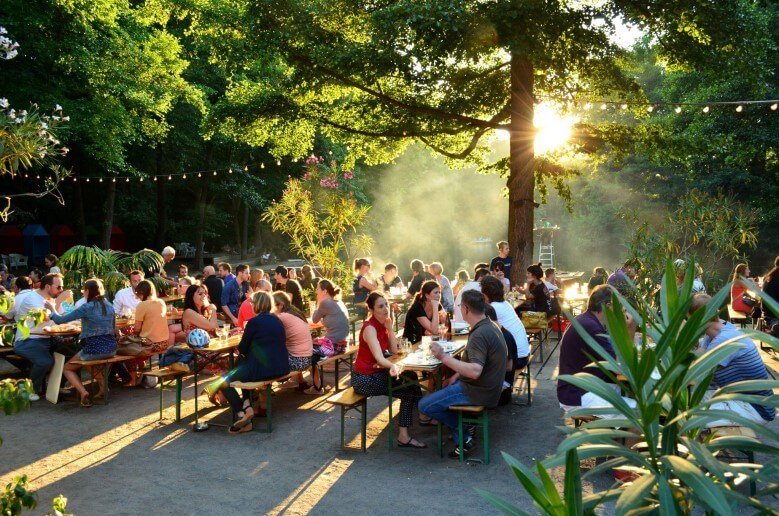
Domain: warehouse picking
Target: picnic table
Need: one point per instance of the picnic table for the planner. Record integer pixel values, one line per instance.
(433, 369)
(172, 298)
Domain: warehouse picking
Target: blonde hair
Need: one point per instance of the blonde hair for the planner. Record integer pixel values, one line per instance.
(262, 303)
(739, 270)
(436, 266)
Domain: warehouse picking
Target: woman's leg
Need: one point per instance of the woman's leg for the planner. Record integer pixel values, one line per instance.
(71, 373)
(409, 397)
(376, 385)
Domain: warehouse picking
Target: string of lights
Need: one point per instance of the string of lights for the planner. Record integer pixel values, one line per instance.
(677, 107)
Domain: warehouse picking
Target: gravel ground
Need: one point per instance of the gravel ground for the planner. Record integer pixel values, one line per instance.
(119, 459)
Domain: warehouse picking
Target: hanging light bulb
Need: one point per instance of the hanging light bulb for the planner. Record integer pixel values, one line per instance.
(199, 174)
(214, 172)
(706, 109)
(649, 109)
(624, 106)
(155, 178)
(184, 176)
(245, 169)
(170, 178)
(262, 165)
(87, 180)
(278, 162)
(603, 106)
(101, 179)
(141, 179)
(678, 109)
(38, 176)
(75, 179)
(127, 180)
(587, 106)
(739, 109)
(26, 176)
(774, 106)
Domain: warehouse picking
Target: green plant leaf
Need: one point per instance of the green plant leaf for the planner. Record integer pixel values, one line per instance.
(572, 491)
(503, 505)
(702, 487)
(635, 495)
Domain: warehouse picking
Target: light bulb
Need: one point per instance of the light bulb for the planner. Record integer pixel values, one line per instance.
(624, 106)
(101, 179)
(199, 174)
(184, 176)
(170, 178)
(603, 106)
(127, 180)
(155, 178)
(649, 109)
(706, 109)
(774, 106)
(739, 109)
(278, 161)
(587, 106)
(678, 109)
(87, 180)
(262, 165)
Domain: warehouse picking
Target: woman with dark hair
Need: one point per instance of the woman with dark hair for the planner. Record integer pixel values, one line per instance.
(599, 277)
(771, 287)
(537, 295)
(418, 276)
(98, 335)
(363, 285)
(262, 356)
(51, 264)
(426, 314)
(372, 371)
(308, 279)
(198, 311)
(335, 318)
(740, 299)
(299, 343)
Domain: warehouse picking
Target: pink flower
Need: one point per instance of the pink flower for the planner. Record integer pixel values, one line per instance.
(320, 159)
(348, 174)
(306, 176)
(311, 160)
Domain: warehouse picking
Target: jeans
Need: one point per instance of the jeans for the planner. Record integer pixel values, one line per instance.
(436, 405)
(38, 352)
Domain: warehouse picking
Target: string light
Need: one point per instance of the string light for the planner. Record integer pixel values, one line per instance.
(774, 106)
(184, 176)
(262, 165)
(739, 109)
(214, 172)
(624, 106)
(155, 178)
(75, 179)
(87, 180)
(141, 179)
(278, 162)
(101, 179)
(127, 180)
(170, 178)
(603, 107)
(706, 109)
(588, 106)
(650, 109)
(113, 180)
(678, 109)
(245, 169)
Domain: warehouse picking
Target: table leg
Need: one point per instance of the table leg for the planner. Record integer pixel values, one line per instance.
(195, 380)
(391, 430)
(178, 399)
(106, 369)
(337, 374)
(269, 407)
(439, 426)
(231, 359)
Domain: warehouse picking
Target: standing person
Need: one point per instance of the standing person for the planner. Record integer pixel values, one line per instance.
(771, 287)
(426, 314)
(36, 348)
(538, 298)
(308, 279)
(478, 378)
(235, 292)
(168, 254)
(504, 258)
(390, 278)
(51, 264)
(98, 335)
(213, 284)
(290, 286)
(447, 298)
(125, 300)
(335, 318)
(300, 346)
(372, 371)
(599, 277)
(363, 285)
(262, 356)
(471, 285)
(418, 276)
(740, 299)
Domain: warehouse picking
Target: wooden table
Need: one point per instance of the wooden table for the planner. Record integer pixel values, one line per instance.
(172, 298)
(435, 370)
(216, 348)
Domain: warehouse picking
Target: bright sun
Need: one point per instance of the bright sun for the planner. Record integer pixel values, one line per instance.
(554, 129)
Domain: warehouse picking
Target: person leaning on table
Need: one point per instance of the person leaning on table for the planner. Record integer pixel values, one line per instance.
(372, 371)
(478, 378)
(575, 354)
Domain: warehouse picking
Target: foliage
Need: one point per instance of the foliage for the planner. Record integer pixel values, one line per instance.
(680, 468)
(33, 318)
(6, 302)
(15, 395)
(715, 230)
(322, 214)
(80, 263)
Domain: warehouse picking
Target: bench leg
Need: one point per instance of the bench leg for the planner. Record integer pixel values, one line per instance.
(461, 435)
(486, 436)
(178, 399)
(343, 422)
(752, 483)
(529, 387)
(106, 369)
(162, 389)
(364, 423)
(440, 439)
(269, 408)
(337, 376)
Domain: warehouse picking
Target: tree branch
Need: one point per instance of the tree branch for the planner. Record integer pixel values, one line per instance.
(502, 114)
(391, 133)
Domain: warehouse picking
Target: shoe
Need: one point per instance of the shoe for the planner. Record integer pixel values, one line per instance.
(64, 391)
(234, 430)
(625, 478)
(470, 430)
(315, 391)
(289, 384)
(34, 397)
(468, 445)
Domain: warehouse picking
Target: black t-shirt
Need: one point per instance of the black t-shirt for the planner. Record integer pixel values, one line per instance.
(416, 282)
(412, 330)
(394, 283)
(295, 292)
(507, 261)
(214, 285)
(541, 300)
(772, 289)
(595, 281)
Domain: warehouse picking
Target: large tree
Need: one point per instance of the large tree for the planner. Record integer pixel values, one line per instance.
(449, 73)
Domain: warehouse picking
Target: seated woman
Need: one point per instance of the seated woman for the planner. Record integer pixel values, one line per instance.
(263, 355)
(198, 313)
(460, 281)
(372, 371)
(740, 299)
(98, 335)
(246, 311)
(335, 318)
(300, 346)
(363, 285)
(499, 271)
(151, 323)
(599, 277)
(507, 318)
(426, 314)
(537, 293)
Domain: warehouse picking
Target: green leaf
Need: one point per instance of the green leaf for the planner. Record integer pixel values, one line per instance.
(572, 491)
(503, 505)
(636, 494)
(703, 488)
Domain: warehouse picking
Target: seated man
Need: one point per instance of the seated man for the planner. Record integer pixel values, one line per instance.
(478, 378)
(744, 364)
(575, 354)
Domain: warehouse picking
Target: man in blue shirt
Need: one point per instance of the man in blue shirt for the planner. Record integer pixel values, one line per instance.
(235, 291)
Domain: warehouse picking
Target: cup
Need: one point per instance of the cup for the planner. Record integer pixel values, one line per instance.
(311, 307)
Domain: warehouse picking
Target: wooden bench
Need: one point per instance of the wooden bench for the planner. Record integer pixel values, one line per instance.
(350, 400)
(580, 420)
(540, 335)
(347, 357)
(524, 374)
(474, 415)
(748, 455)
(165, 375)
(737, 317)
(267, 387)
(104, 365)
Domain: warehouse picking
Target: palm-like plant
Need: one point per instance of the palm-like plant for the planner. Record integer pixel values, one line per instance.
(80, 263)
(679, 466)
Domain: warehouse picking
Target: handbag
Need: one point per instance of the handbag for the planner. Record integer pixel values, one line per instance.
(748, 301)
(130, 346)
(534, 320)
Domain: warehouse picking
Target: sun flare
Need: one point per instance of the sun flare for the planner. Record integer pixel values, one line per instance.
(553, 129)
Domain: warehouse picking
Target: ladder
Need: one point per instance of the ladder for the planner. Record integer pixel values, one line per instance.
(546, 255)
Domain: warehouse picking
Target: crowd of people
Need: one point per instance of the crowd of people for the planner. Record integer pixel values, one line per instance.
(274, 313)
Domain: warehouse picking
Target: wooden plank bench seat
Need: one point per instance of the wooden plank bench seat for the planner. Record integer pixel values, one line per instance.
(540, 334)
(474, 415)
(580, 420)
(104, 365)
(736, 317)
(349, 400)
(165, 376)
(347, 357)
(267, 387)
(748, 455)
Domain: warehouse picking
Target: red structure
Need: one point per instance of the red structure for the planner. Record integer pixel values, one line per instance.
(11, 239)
(118, 242)
(62, 239)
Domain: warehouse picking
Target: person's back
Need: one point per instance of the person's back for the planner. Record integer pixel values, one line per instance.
(214, 286)
(299, 342)
(292, 287)
(574, 359)
(335, 319)
(264, 346)
(152, 314)
(508, 319)
(486, 347)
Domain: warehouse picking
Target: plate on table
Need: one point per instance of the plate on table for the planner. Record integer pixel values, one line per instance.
(418, 359)
(448, 346)
(461, 328)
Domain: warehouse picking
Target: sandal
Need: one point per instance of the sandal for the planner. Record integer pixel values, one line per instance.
(85, 401)
(246, 419)
(410, 444)
(316, 391)
(234, 430)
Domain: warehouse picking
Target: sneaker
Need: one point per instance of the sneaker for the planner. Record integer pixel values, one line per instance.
(468, 445)
(34, 397)
(470, 430)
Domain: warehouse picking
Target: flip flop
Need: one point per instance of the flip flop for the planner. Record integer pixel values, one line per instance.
(85, 402)
(246, 419)
(233, 430)
(410, 444)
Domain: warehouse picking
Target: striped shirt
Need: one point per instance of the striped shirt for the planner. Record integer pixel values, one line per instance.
(744, 364)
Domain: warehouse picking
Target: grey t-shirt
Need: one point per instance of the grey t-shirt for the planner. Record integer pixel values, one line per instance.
(487, 347)
(335, 317)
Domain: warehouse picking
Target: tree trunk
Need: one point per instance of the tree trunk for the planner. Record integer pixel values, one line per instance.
(201, 221)
(108, 220)
(162, 209)
(245, 229)
(81, 223)
(521, 181)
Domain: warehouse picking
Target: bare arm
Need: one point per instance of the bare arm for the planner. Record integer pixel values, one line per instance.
(373, 344)
(197, 320)
(369, 283)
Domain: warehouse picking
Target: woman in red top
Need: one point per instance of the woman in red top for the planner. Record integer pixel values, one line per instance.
(372, 370)
(739, 290)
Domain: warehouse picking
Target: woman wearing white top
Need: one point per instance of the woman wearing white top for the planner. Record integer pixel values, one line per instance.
(492, 289)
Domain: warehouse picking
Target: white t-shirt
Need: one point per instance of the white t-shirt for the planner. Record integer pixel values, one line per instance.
(508, 318)
(11, 314)
(125, 301)
(29, 302)
(551, 286)
(471, 285)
